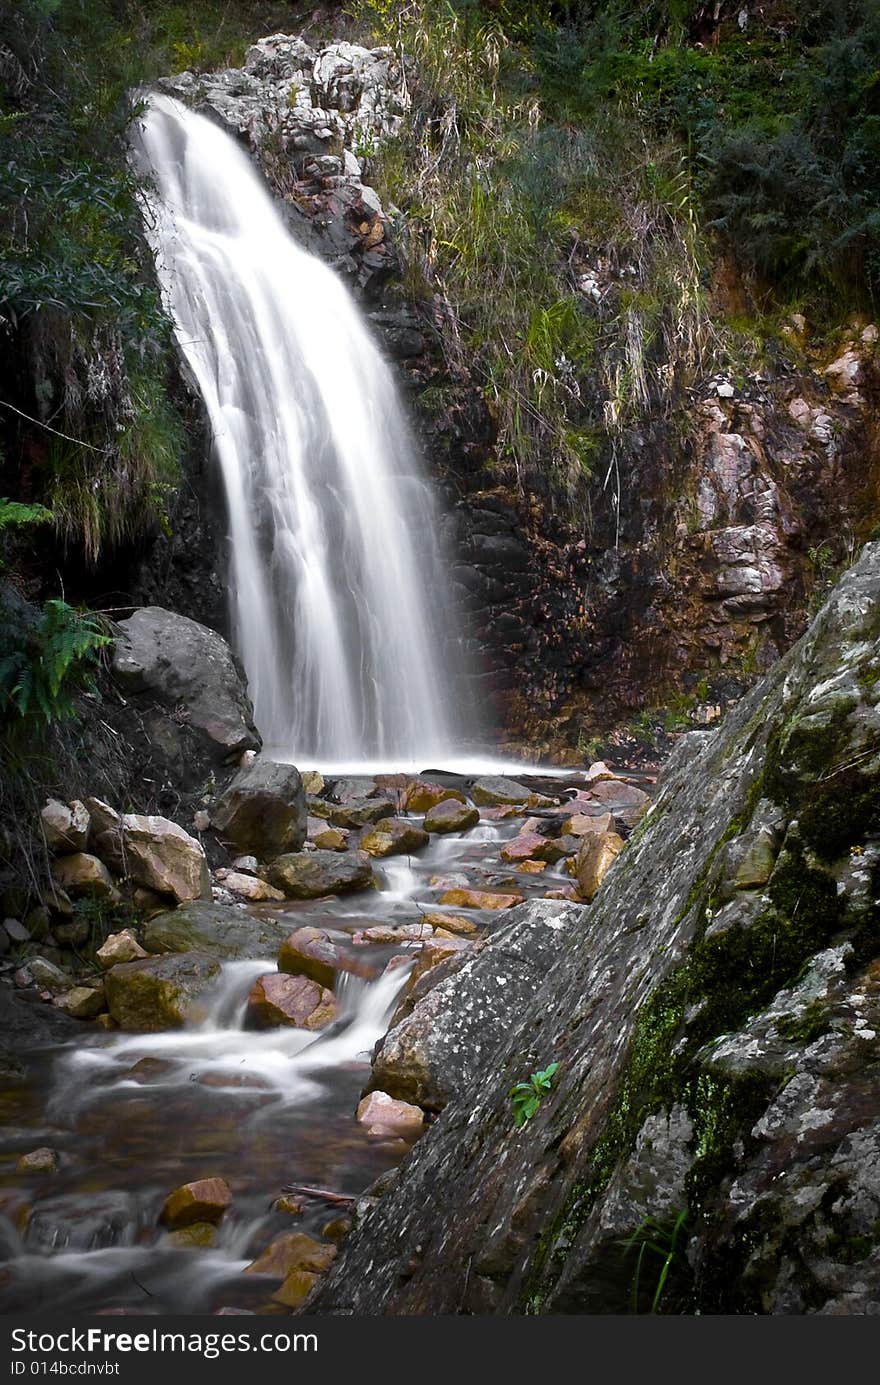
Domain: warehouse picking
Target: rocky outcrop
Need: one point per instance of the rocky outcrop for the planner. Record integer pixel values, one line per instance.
(311, 115)
(191, 671)
(715, 1040)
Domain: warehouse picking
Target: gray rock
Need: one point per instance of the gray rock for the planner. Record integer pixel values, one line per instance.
(763, 1037)
(496, 790)
(311, 874)
(184, 664)
(263, 809)
(217, 930)
(437, 1050)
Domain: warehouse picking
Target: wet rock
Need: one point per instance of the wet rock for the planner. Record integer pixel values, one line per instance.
(313, 781)
(82, 1002)
(277, 999)
(331, 839)
(84, 877)
(201, 1235)
(532, 847)
(251, 888)
(311, 952)
(353, 790)
(290, 1205)
(74, 1223)
(311, 874)
(381, 1115)
(296, 1288)
(206, 1200)
(496, 791)
(581, 825)
(43, 1160)
(160, 992)
(361, 812)
(217, 930)
(294, 1250)
(393, 837)
(263, 809)
(450, 1035)
(479, 899)
(451, 815)
(398, 933)
(596, 855)
(184, 664)
(65, 825)
(421, 795)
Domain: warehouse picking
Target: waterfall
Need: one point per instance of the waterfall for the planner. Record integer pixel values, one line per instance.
(338, 583)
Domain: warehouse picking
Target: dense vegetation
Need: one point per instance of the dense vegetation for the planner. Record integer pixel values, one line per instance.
(573, 171)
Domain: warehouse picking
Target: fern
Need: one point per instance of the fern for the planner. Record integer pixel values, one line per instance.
(45, 666)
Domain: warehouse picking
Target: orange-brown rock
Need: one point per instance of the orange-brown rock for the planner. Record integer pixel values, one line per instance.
(420, 795)
(293, 1250)
(203, 1201)
(594, 859)
(479, 899)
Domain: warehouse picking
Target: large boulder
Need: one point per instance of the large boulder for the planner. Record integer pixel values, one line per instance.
(438, 1047)
(220, 931)
(312, 874)
(163, 857)
(451, 815)
(160, 992)
(263, 809)
(496, 791)
(185, 665)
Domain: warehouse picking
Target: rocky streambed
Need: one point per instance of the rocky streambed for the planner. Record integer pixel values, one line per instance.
(191, 1122)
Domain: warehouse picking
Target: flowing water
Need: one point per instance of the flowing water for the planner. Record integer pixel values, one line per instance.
(337, 578)
(133, 1116)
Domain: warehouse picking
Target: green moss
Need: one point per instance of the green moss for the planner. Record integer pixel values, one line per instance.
(808, 1026)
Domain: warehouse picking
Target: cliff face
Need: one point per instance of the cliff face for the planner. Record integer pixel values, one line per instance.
(725, 512)
(714, 1015)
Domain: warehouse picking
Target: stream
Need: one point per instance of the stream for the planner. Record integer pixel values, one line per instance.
(134, 1116)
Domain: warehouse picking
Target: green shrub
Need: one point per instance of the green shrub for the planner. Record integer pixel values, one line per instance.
(43, 666)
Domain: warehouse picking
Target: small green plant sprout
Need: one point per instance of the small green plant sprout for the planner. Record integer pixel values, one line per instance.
(527, 1096)
(662, 1240)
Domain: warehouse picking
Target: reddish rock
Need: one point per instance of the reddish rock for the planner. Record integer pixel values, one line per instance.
(203, 1201)
(382, 1115)
(84, 877)
(277, 999)
(421, 795)
(310, 952)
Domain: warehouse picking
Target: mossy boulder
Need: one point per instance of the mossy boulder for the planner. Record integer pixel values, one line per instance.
(160, 992)
(312, 874)
(220, 931)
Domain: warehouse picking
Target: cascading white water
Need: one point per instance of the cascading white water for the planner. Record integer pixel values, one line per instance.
(338, 583)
